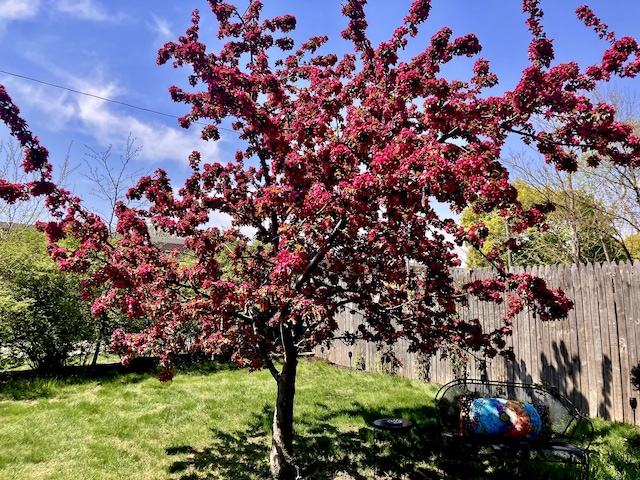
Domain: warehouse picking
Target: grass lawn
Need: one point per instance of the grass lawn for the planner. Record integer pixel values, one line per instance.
(214, 423)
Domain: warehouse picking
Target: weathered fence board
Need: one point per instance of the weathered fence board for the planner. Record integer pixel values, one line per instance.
(588, 356)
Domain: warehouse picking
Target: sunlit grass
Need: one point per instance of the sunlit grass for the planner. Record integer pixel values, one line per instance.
(214, 423)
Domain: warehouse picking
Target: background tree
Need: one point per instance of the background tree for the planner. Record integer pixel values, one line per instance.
(580, 205)
(43, 320)
(577, 230)
(110, 182)
(111, 179)
(342, 162)
(29, 211)
(618, 186)
(632, 244)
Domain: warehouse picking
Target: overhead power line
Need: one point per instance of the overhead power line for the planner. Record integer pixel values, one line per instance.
(104, 99)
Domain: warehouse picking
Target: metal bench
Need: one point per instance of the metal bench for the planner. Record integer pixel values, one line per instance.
(513, 421)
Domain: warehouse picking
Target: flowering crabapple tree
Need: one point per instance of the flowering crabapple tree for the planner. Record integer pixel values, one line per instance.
(343, 161)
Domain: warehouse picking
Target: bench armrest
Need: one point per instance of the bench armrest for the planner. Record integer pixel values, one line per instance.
(581, 432)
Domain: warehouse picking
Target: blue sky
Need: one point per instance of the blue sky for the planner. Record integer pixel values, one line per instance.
(108, 48)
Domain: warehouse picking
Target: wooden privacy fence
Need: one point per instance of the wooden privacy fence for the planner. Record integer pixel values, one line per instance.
(588, 357)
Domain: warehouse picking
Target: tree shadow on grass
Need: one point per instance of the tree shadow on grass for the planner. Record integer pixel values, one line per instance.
(326, 452)
(238, 455)
(323, 452)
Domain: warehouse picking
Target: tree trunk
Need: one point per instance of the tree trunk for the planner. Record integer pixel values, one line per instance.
(96, 352)
(101, 329)
(282, 464)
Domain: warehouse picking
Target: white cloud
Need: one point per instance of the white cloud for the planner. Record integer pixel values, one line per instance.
(106, 124)
(159, 142)
(15, 10)
(18, 9)
(161, 27)
(47, 102)
(12, 10)
(85, 10)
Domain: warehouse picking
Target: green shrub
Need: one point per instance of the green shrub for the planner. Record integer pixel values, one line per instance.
(43, 320)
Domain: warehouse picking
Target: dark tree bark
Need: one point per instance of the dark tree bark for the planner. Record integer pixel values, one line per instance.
(281, 457)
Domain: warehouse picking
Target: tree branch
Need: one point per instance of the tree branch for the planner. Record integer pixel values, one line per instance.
(319, 256)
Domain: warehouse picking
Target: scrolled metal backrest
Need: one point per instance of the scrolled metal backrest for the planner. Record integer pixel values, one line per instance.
(562, 412)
